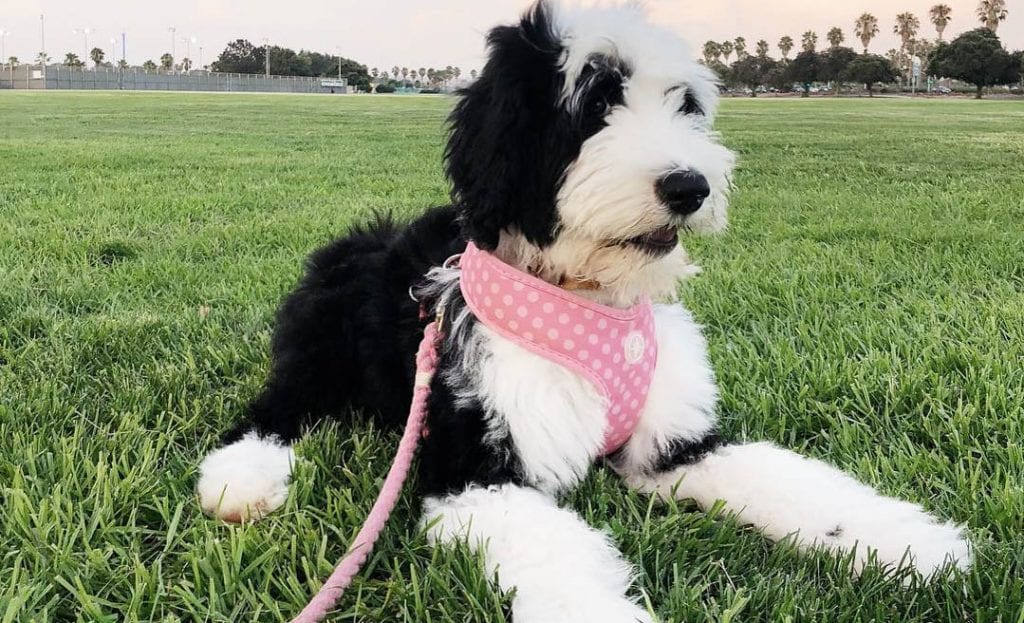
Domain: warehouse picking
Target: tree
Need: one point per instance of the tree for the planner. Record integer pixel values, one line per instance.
(809, 41)
(122, 64)
(906, 27)
(940, 15)
(977, 57)
(866, 27)
(726, 47)
(739, 45)
(71, 60)
(804, 70)
(833, 63)
(762, 48)
(149, 66)
(456, 72)
(186, 64)
(167, 62)
(96, 55)
(991, 12)
(422, 72)
(752, 72)
(785, 45)
(13, 61)
(42, 58)
(711, 51)
(472, 74)
(394, 71)
(241, 57)
(871, 69)
(835, 37)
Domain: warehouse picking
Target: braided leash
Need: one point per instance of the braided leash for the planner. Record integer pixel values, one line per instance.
(334, 587)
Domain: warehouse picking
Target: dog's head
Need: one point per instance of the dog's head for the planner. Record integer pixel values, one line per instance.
(585, 145)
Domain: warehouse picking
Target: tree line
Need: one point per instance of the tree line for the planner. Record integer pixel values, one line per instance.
(976, 57)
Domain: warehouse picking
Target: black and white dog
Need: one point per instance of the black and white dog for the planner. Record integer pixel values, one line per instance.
(583, 148)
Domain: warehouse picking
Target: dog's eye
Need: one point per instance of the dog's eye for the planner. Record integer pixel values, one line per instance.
(598, 107)
(690, 105)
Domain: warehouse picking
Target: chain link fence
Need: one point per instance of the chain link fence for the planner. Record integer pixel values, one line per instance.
(63, 77)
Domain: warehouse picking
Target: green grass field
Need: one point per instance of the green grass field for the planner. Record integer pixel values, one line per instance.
(866, 307)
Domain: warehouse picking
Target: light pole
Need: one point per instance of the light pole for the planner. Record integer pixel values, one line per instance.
(85, 32)
(3, 52)
(266, 53)
(173, 31)
(200, 57)
(42, 41)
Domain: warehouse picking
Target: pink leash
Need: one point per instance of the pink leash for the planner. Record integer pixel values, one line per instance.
(334, 587)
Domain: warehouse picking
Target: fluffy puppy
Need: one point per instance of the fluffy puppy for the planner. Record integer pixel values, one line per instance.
(578, 155)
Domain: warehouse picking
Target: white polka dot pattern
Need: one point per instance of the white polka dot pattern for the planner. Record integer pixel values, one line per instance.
(614, 348)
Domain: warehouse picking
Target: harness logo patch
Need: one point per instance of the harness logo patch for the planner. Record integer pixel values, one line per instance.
(634, 347)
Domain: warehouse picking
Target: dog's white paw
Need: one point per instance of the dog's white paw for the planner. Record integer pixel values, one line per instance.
(245, 480)
(898, 534)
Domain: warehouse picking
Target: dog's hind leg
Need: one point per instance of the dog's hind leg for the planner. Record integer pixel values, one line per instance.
(786, 495)
(560, 568)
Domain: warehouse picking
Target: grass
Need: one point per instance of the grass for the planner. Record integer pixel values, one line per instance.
(866, 307)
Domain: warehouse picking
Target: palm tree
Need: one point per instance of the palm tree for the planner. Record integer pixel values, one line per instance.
(712, 52)
(71, 60)
(809, 41)
(835, 36)
(149, 66)
(906, 27)
(456, 72)
(42, 58)
(726, 47)
(762, 48)
(940, 15)
(739, 44)
(12, 61)
(991, 12)
(422, 72)
(472, 74)
(186, 64)
(866, 27)
(96, 55)
(785, 45)
(166, 61)
(395, 71)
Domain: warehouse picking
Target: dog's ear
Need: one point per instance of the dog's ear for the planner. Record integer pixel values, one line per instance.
(508, 146)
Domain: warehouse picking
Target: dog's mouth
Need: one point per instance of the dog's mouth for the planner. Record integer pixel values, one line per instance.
(658, 242)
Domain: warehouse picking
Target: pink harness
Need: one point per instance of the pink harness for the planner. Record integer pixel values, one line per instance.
(613, 348)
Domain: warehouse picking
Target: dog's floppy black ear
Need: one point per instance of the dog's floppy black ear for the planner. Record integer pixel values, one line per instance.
(508, 146)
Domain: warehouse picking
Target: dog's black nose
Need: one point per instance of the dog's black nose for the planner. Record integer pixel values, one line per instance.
(683, 191)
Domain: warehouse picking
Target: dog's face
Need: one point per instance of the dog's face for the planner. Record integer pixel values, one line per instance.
(585, 146)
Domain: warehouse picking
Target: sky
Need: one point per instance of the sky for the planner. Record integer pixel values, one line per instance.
(423, 33)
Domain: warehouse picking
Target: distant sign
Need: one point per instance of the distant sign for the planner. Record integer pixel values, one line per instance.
(334, 84)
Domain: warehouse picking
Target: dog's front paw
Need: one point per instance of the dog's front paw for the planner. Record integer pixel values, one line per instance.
(245, 480)
(898, 534)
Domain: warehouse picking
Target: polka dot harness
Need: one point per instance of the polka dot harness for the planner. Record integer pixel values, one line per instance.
(614, 348)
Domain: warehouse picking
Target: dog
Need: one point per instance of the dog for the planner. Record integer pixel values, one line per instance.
(579, 154)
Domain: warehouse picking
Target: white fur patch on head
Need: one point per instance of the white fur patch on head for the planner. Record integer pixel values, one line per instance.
(245, 480)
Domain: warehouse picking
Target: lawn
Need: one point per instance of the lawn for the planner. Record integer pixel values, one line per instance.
(866, 307)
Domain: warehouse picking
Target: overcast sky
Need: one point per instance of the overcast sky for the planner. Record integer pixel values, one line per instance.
(423, 33)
